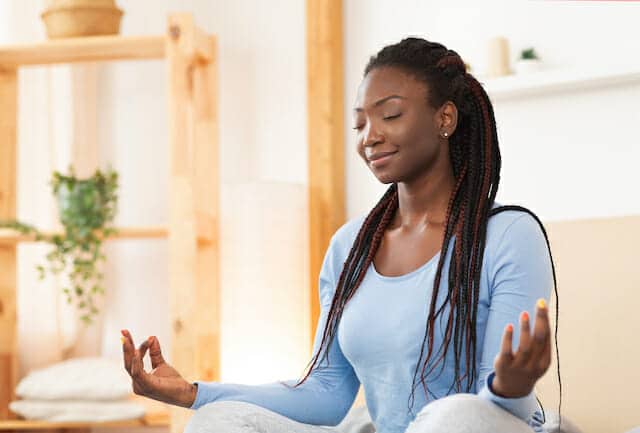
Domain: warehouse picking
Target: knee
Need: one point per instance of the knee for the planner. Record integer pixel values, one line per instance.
(455, 405)
(459, 413)
(220, 416)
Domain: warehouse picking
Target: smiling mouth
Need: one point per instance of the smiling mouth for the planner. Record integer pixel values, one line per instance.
(381, 159)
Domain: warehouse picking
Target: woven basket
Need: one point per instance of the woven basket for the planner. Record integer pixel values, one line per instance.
(74, 18)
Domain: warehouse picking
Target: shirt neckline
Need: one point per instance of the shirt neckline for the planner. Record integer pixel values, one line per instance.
(410, 274)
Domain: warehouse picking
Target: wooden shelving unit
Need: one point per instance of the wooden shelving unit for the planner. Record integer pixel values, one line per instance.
(192, 229)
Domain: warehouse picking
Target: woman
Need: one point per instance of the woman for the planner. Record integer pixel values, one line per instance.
(421, 293)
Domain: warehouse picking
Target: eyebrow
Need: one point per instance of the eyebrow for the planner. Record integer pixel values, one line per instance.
(381, 101)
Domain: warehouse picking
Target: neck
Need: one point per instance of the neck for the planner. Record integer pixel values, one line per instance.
(423, 201)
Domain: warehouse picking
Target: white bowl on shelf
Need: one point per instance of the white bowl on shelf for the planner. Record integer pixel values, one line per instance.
(525, 66)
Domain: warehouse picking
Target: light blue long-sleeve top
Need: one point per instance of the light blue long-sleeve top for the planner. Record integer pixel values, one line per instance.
(382, 328)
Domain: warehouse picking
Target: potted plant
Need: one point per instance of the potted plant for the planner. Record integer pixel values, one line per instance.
(528, 61)
(86, 210)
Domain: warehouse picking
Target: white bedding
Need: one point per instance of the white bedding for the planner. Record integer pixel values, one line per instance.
(88, 378)
(74, 410)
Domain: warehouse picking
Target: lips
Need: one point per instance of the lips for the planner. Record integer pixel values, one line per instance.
(379, 155)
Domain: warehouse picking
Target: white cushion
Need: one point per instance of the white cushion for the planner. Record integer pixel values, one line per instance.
(77, 379)
(77, 411)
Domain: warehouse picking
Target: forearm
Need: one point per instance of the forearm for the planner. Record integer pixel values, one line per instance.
(311, 403)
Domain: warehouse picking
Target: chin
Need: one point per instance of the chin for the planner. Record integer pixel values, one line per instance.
(385, 178)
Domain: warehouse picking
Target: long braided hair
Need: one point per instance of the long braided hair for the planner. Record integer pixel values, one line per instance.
(476, 161)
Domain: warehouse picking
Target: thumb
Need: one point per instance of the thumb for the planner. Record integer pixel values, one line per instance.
(155, 353)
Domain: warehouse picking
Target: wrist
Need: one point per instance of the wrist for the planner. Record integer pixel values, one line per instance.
(190, 394)
(501, 390)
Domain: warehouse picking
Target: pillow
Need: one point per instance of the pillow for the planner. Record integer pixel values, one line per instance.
(77, 379)
(77, 411)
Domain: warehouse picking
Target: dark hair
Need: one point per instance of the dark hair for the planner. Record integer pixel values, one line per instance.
(476, 161)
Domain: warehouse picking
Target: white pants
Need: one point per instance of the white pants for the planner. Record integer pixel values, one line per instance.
(457, 413)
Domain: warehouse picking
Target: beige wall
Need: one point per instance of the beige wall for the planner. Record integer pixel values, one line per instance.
(598, 282)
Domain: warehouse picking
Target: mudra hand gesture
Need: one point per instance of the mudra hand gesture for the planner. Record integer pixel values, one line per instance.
(163, 383)
(517, 373)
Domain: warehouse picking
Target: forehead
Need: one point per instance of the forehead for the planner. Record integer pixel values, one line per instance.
(385, 81)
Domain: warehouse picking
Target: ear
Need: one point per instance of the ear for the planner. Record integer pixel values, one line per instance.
(447, 117)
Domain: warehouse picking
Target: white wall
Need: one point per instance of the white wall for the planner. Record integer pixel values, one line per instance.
(568, 155)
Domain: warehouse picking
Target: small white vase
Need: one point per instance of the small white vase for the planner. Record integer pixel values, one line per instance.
(525, 66)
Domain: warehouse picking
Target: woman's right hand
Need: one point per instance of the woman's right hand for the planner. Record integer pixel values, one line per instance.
(163, 383)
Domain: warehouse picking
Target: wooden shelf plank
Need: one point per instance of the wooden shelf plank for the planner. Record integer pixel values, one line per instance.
(155, 421)
(205, 228)
(157, 415)
(85, 49)
(152, 232)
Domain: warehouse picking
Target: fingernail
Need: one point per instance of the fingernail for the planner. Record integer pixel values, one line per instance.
(525, 315)
(122, 339)
(509, 327)
(541, 303)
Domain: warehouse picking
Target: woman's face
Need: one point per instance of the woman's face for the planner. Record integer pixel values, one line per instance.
(397, 131)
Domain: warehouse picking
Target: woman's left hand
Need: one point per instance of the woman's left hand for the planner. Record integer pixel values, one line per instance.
(517, 373)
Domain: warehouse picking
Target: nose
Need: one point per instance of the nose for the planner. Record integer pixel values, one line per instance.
(372, 135)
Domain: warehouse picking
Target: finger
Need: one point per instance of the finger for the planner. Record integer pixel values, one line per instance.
(544, 360)
(127, 349)
(524, 346)
(505, 355)
(155, 353)
(137, 369)
(541, 330)
(142, 349)
(506, 348)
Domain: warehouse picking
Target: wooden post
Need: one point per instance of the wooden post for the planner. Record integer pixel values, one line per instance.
(206, 186)
(326, 134)
(8, 281)
(194, 281)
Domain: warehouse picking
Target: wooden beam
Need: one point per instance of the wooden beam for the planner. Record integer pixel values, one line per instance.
(8, 255)
(193, 273)
(85, 49)
(9, 236)
(206, 177)
(326, 134)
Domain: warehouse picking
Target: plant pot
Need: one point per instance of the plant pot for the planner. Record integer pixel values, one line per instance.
(526, 66)
(81, 200)
(77, 18)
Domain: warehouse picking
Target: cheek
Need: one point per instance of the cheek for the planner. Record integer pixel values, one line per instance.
(360, 147)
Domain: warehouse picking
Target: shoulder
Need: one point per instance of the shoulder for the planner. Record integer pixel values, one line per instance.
(512, 227)
(516, 244)
(347, 233)
(336, 255)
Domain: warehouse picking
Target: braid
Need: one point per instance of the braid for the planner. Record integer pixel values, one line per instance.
(476, 161)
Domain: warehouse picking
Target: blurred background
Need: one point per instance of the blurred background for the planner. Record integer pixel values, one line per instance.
(568, 136)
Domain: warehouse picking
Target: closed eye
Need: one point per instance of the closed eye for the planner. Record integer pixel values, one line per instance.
(359, 127)
(392, 117)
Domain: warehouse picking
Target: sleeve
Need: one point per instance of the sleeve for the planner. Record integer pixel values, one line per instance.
(520, 274)
(329, 391)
